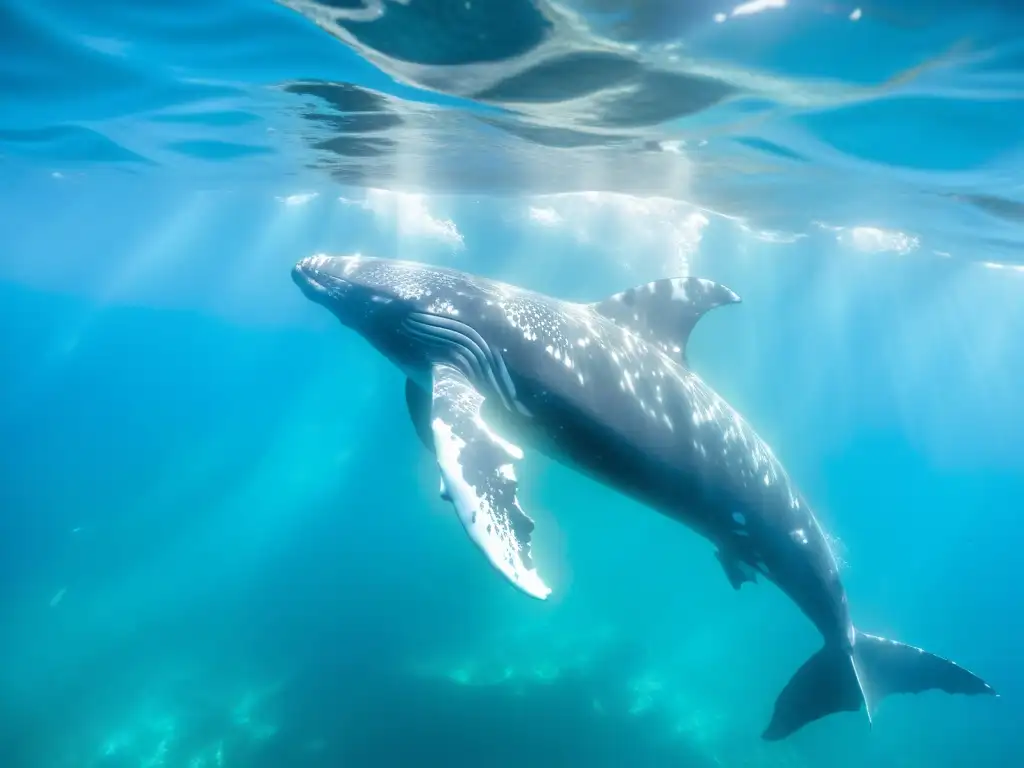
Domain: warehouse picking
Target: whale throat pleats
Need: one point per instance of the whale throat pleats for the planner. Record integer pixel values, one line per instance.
(664, 312)
(458, 344)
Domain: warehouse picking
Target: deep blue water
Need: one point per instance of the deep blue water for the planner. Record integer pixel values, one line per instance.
(220, 540)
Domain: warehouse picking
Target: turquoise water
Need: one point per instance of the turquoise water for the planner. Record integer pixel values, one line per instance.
(220, 541)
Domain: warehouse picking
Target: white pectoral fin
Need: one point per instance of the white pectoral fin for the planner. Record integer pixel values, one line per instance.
(478, 477)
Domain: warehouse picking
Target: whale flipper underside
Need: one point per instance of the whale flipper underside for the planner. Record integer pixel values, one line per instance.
(836, 680)
(478, 477)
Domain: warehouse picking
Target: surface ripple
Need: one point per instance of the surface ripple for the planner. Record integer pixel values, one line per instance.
(890, 115)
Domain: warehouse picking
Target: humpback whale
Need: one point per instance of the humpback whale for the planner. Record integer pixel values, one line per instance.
(606, 389)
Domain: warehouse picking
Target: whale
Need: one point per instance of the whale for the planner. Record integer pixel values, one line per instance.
(606, 388)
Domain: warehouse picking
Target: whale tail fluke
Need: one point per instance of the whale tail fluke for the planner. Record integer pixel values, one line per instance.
(837, 680)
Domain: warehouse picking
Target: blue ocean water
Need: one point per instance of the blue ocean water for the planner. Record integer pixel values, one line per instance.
(220, 541)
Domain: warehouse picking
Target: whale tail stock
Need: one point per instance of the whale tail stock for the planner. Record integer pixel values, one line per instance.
(837, 679)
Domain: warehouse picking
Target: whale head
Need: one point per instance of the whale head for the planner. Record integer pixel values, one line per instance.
(353, 288)
(409, 311)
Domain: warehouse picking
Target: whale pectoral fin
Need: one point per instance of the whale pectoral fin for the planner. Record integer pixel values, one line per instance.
(418, 401)
(664, 312)
(478, 477)
(734, 570)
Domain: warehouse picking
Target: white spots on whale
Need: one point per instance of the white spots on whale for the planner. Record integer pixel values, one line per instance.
(681, 286)
(679, 290)
(528, 334)
(410, 288)
(739, 518)
(568, 332)
(352, 264)
(653, 413)
(535, 320)
(799, 535)
(403, 280)
(628, 382)
(443, 307)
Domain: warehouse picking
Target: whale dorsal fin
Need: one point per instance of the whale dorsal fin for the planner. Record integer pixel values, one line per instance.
(664, 312)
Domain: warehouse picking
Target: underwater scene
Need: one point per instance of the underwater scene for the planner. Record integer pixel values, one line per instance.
(493, 383)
